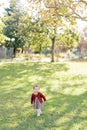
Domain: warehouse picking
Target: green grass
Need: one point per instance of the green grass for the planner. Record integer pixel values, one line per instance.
(65, 86)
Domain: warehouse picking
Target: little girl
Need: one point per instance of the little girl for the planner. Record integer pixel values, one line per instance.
(37, 99)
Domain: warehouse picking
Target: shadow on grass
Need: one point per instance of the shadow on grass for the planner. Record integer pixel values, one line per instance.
(27, 73)
(62, 111)
(68, 112)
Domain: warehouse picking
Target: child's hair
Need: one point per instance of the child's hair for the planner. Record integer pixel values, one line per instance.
(35, 86)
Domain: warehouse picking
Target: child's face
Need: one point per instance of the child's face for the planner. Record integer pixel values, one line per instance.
(36, 89)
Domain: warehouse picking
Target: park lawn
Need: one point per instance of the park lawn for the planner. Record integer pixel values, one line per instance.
(65, 86)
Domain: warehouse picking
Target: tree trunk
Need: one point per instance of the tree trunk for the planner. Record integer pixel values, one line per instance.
(53, 46)
(40, 48)
(22, 50)
(14, 52)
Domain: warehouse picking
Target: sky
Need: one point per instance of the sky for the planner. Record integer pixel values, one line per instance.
(5, 3)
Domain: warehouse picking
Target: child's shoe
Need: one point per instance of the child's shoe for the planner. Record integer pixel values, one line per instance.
(38, 114)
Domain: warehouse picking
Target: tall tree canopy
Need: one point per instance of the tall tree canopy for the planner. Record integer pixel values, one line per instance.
(15, 22)
(59, 13)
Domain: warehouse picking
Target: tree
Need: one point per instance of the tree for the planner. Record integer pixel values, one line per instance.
(56, 14)
(39, 35)
(70, 38)
(14, 25)
(53, 21)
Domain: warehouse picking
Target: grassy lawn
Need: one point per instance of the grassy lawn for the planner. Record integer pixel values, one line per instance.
(65, 86)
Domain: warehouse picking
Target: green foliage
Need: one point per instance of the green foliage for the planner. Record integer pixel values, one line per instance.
(2, 36)
(38, 35)
(14, 25)
(40, 28)
(69, 38)
(57, 15)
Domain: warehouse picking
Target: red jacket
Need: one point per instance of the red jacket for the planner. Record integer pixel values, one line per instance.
(40, 97)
